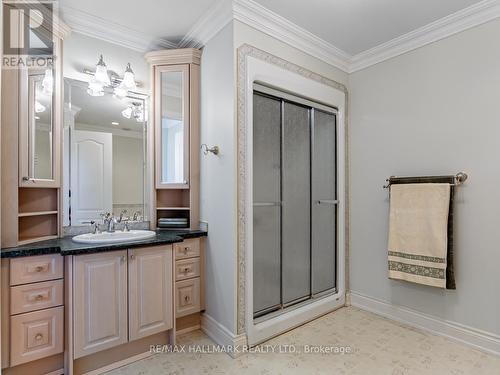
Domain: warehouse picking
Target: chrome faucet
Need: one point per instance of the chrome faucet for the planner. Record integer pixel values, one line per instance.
(109, 221)
(94, 226)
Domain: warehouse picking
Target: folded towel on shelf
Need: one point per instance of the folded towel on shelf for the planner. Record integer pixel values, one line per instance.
(418, 232)
(175, 222)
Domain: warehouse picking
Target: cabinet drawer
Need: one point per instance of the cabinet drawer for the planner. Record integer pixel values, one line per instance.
(187, 295)
(36, 335)
(187, 268)
(187, 249)
(37, 296)
(36, 268)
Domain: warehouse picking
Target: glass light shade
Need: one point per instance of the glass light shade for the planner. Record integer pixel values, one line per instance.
(95, 88)
(39, 107)
(127, 112)
(101, 73)
(120, 91)
(48, 82)
(129, 79)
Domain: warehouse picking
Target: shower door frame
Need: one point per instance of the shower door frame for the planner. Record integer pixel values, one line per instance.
(316, 88)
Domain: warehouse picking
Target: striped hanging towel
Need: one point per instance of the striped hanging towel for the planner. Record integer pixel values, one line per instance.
(418, 233)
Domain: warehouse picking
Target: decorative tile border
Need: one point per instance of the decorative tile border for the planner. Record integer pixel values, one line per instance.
(248, 51)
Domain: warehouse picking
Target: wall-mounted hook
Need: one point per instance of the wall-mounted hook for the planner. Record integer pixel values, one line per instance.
(214, 150)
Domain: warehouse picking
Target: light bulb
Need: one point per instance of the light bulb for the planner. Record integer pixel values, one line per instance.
(129, 79)
(101, 73)
(48, 82)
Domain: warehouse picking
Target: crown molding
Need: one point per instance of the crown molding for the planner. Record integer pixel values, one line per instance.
(266, 21)
(96, 27)
(174, 56)
(462, 20)
(208, 25)
(270, 23)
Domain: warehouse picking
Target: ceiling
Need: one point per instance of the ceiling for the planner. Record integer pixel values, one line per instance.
(358, 25)
(165, 19)
(350, 25)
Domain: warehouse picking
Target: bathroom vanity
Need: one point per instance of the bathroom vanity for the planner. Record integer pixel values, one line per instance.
(87, 161)
(82, 307)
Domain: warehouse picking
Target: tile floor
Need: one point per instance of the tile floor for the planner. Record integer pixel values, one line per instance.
(377, 345)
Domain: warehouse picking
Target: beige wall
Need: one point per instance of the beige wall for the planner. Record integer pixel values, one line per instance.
(432, 111)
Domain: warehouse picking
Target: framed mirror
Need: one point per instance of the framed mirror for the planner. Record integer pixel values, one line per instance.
(173, 131)
(38, 132)
(104, 145)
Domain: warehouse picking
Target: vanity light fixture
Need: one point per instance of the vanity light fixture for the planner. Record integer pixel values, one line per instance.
(120, 92)
(48, 82)
(127, 112)
(99, 80)
(134, 110)
(128, 81)
(101, 72)
(95, 88)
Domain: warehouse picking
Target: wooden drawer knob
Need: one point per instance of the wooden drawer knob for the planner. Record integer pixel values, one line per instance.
(38, 336)
(186, 298)
(41, 268)
(186, 249)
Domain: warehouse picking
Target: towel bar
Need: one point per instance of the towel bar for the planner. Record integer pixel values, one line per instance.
(459, 179)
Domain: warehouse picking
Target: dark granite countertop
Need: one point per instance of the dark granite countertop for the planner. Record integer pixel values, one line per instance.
(65, 246)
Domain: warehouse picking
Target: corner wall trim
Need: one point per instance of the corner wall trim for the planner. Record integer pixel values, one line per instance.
(221, 335)
(485, 341)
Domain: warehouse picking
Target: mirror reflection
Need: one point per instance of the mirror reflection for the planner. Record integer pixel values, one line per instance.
(172, 128)
(104, 152)
(40, 129)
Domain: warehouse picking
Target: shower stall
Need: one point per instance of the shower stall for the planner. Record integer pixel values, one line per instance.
(295, 202)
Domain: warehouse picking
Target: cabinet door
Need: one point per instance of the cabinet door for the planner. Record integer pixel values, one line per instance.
(150, 291)
(40, 118)
(100, 301)
(172, 126)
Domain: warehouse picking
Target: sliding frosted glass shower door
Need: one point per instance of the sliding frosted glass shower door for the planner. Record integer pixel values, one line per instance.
(324, 202)
(294, 200)
(267, 207)
(295, 188)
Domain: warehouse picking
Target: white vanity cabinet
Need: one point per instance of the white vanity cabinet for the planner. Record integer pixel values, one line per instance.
(121, 296)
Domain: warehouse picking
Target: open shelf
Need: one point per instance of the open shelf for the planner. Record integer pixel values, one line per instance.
(37, 200)
(27, 241)
(37, 213)
(173, 208)
(172, 198)
(37, 228)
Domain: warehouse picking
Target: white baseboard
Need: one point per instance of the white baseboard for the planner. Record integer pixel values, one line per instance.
(482, 340)
(221, 335)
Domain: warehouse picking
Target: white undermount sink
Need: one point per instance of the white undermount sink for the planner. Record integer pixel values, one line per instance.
(113, 237)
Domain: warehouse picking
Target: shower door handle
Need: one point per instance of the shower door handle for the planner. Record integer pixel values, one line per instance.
(326, 201)
(267, 204)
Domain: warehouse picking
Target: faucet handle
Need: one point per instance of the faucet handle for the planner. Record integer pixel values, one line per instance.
(94, 224)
